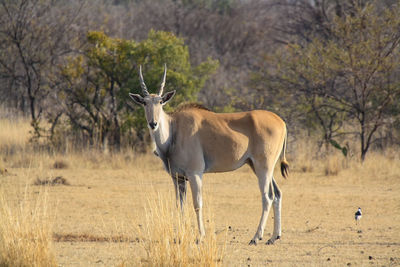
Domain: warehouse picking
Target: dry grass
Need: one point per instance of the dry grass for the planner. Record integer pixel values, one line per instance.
(17, 152)
(14, 135)
(172, 239)
(303, 158)
(334, 164)
(307, 157)
(25, 232)
(25, 222)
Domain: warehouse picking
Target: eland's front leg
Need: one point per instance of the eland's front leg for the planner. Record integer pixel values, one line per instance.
(180, 190)
(196, 187)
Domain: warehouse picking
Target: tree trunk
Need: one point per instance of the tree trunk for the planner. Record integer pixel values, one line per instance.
(115, 128)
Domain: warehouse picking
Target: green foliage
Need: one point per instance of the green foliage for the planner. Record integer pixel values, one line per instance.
(337, 146)
(97, 83)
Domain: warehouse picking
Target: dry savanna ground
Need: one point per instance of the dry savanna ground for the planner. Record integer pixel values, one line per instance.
(91, 209)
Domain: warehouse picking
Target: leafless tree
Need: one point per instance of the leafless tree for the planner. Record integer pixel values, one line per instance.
(34, 34)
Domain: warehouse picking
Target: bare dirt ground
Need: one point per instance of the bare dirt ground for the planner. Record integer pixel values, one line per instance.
(97, 216)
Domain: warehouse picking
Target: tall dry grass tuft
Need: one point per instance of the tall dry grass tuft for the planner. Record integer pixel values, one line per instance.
(171, 237)
(302, 158)
(25, 231)
(16, 150)
(14, 135)
(333, 164)
(379, 164)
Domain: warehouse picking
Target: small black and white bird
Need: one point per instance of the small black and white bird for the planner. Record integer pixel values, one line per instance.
(358, 215)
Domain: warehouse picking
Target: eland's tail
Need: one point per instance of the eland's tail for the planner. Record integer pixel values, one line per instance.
(284, 163)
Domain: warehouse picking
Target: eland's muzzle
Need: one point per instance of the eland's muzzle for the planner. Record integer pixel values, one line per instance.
(153, 125)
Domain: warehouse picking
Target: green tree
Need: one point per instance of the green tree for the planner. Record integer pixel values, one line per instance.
(97, 83)
(352, 75)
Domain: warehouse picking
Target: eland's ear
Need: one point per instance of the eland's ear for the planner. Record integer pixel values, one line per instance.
(137, 99)
(167, 97)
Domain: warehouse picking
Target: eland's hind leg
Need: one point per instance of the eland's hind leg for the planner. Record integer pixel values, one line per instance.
(267, 195)
(277, 205)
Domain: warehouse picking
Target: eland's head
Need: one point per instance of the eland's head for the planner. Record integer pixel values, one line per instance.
(152, 103)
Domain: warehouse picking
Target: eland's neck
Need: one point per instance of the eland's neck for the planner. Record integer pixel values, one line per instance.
(162, 136)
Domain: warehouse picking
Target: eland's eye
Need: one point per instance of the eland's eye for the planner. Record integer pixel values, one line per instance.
(160, 102)
(144, 103)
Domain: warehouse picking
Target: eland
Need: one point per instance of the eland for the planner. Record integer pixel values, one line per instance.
(194, 140)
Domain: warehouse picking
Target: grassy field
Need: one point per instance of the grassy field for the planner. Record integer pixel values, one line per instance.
(90, 209)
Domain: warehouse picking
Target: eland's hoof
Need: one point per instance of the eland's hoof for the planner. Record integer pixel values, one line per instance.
(253, 242)
(272, 240)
